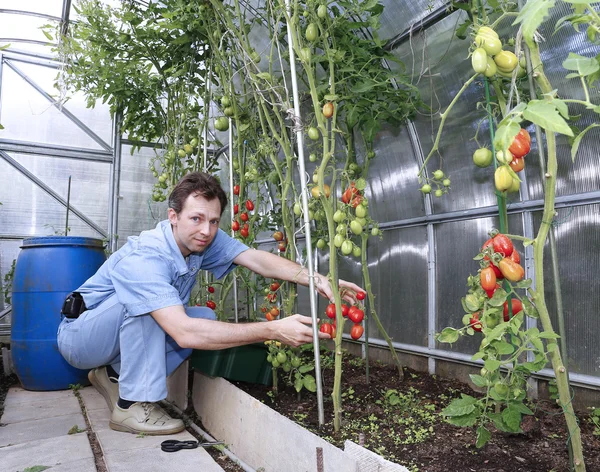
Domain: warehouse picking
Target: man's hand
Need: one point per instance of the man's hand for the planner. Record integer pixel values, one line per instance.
(348, 290)
(295, 330)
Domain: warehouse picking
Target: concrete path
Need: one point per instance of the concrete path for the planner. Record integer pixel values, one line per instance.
(34, 431)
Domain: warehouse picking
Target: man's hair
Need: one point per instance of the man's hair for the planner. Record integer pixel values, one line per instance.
(197, 183)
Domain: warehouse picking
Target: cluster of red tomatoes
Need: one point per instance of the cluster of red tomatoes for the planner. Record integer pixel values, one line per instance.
(241, 224)
(353, 313)
(281, 240)
(270, 309)
(502, 261)
(512, 159)
(210, 303)
(352, 196)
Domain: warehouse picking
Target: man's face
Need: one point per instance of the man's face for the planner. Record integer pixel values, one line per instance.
(197, 224)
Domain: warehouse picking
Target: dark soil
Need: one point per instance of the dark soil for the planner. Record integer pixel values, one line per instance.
(412, 432)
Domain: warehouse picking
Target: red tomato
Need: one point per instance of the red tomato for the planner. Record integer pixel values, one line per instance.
(357, 331)
(211, 289)
(249, 205)
(330, 311)
(475, 323)
(503, 245)
(244, 216)
(274, 311)
(246, 226)
(521, 144)
(274, 286)
(272, 297)
(236, 189)
(515, 256)
(236, 209)
(270, 317)
(210, 304)
(328, 110)
(511, 270)
(326, 328)
(278, 236)
(281, 246)
(499, 275)
(361, 295)
(235, 226)
(517, 306)
(517, 164)
(357, 201)
(490, 293)
(488, 278)
(244, 233)
(345, 310)
(355, 314)
(349, 193)
(263, 309)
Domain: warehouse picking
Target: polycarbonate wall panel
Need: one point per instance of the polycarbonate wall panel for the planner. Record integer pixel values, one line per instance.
(392, 188)
(45, 7)
(20, 26)
(399, 15)
(457, 243)
(398, 271)
(577, 243)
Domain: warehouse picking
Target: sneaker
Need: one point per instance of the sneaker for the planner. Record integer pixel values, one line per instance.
(144, 417)
(109, 390)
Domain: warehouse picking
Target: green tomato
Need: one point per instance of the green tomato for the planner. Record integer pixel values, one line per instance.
(312, 157)
(194, 142)
(491, 69)
(313, 133)
(338, 240)
(374, 231)
(321, 244)
(322, 11)
(281, 357)
(479, 60)
(347, 247)
(355, 227)
(506, 61)
(225, 101)
(438, 174)
(439, 192)
(362, 221)
(312, 32)
(426, 188)
(483, 157)
(356, 251)
(504, 157)
(341, 229)
(296, 361)
(446, 183)
(275, 363)
(297, 209)
(338, 216)
(361, 211)
(305, 54)
(180, 153)
(491, 44)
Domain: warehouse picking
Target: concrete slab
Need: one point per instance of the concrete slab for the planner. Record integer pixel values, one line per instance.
(93, 400)
(63, 451)
(18, 395)
(154, 460)
(51, 408)
(35, 430)
(83, 465)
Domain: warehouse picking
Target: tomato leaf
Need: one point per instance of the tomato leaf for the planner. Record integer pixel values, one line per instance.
(546, 115)
(298, 383)
(460, 406)
(504, 348)
(492, 365)
(478, 380)
(549, 335)
(512, 419)
(530, 309)
(498, 298)
(584, 66)
(304, 368)
(448, 335)
(578, 138)
(478, 355)
(532, 16)
(6, 46)
(505, 134)
(483, 436)
(463, 421)
(526, 283)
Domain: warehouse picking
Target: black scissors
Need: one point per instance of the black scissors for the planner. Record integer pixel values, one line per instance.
(173, 445)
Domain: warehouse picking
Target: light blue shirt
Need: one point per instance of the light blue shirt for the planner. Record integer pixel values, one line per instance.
(149, 272)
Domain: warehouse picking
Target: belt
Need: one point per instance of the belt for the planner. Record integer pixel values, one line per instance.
(73, 305)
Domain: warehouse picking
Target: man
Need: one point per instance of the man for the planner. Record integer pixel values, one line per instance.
(133, 328)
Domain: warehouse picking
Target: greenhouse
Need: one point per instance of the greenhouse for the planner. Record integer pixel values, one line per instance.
(299, 235)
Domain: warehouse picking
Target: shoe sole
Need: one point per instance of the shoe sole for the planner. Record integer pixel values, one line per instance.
(101, 390)
(120, 427)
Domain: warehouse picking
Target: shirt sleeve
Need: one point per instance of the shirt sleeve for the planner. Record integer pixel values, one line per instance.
(218, 258)
(142, 281)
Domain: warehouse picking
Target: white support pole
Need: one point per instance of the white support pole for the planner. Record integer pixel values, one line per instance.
(235, 290)
(309, 250)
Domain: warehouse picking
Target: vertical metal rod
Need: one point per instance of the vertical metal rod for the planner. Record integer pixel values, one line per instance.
(68, 205)
(235, 287)
(115, 185)
(66, 12)
(1, 68)
(309, 250)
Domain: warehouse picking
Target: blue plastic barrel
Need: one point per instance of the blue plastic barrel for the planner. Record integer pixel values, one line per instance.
(47, 270)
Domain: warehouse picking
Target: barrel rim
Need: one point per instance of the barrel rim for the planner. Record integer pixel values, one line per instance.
(38, 241)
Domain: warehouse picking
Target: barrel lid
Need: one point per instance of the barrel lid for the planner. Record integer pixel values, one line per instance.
(62, 241)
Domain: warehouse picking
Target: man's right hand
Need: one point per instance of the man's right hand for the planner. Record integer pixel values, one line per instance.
(295, 330)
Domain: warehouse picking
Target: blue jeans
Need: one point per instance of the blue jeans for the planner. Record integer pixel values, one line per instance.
(135, 346)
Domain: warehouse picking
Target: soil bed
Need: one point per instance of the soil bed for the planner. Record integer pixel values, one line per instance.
(401, 422)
